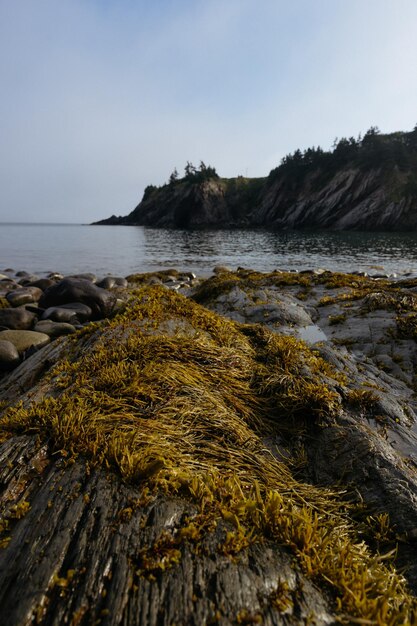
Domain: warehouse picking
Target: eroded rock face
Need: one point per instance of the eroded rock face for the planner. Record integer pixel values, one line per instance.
(351, 198)
(372, 444)
(94, 542)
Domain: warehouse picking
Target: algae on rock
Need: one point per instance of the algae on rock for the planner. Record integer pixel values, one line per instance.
(190, 411)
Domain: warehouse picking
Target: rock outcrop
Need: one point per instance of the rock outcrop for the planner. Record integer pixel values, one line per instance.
(369, 184)
(192, 461)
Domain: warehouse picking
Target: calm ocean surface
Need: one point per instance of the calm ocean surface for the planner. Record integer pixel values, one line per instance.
(122, 250)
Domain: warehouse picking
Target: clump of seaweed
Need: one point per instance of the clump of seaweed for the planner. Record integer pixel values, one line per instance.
(176, 396)
(337, 319)
(220, 284)
(362, 397)
(407, 326)
(145, 277)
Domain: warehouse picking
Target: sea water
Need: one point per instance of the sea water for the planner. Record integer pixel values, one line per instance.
(122, 250)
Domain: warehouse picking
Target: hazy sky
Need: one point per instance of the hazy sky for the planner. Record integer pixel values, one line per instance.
(100, 98)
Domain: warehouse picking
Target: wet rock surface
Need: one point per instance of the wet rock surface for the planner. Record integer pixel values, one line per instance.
(85, 530)
(53, 305)
(81, 290)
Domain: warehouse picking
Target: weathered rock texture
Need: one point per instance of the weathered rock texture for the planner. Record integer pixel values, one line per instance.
(361, 185)
(173, 467)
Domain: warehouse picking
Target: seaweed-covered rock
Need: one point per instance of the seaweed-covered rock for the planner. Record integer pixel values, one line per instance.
(165, 467)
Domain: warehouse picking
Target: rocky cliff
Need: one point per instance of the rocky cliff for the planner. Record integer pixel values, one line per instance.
(366, 184)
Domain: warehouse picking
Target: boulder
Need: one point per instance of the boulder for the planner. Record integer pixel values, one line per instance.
(82, 311)
(92, 278)
(27, 280)
(108, 282)
(43, 283)
(54, 329)
(9, 356)
(25, 295)
(80, 290)
(58, 314)
(24, 339)
(16, 319)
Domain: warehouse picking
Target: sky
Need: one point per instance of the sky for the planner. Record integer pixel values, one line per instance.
(100, 98)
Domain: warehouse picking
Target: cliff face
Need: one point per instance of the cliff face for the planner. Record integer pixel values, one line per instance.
(368, 184)
(350, 199)
(216, 203)
(184, 205)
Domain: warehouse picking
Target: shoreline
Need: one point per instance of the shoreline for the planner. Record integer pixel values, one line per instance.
(200, 434)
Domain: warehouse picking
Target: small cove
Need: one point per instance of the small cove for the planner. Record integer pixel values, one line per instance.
(122, 250)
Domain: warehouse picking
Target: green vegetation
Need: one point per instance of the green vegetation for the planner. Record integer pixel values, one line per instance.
(374, 150)
(193, 174)
(175, 397)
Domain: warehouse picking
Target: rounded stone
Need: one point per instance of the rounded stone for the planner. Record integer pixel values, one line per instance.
(71, 290)
(43, 283)
(24, 339)
(221, 269)
(9, 284)
(82, 311)
(9, 356)
(55, 276)
(25, 295)
(54, 329)
(107, 283)
(85, 276)
(26, 280)
(121, 282)
(16, 319)
(58, 314)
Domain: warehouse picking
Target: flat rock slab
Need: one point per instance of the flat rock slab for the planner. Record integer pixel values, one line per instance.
(24, 339)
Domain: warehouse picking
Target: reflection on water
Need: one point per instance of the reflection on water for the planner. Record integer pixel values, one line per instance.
(265, 251)
(311, 333)
(126, 249)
